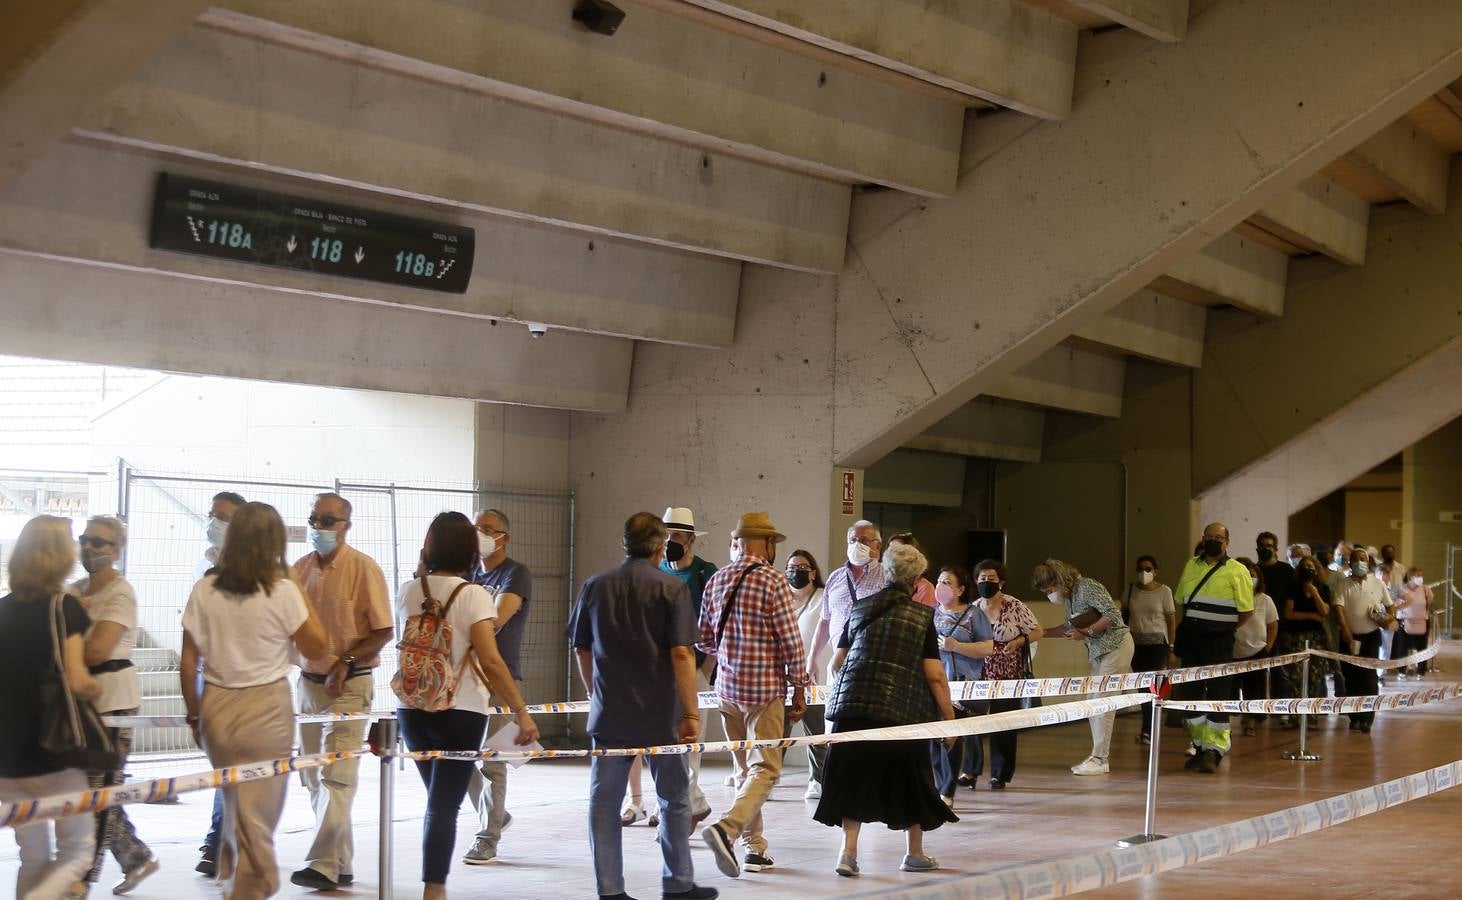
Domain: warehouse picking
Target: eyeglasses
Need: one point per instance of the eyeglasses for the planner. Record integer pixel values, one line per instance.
(491, 532)
(799, 568)
(324, 521)
(95, 543)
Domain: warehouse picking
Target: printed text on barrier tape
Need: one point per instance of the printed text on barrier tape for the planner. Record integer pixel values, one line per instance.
(1322, 705)
(959, 690)
(143, 791)
(1111, 867)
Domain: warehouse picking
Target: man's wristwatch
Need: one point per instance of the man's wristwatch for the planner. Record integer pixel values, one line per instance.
(349, 661)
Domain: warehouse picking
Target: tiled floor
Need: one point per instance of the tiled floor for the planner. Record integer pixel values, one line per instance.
(1046, 813)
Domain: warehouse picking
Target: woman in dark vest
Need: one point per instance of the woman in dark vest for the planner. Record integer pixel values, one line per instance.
(888, 673)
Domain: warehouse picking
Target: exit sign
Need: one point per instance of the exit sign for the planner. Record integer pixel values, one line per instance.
(1450, 516)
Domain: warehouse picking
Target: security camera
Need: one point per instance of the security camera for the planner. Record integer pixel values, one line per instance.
(537, 329)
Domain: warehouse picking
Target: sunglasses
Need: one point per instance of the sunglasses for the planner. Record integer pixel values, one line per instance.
(95, 543)
(324, 521)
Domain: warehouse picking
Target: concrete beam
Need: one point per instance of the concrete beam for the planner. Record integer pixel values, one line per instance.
(1322, 217)
(1070, 379)
(153, 321)
(1152, 326)
(1163, 20)
(1409, 163)
(916, 478)
(59, 57)
(93, 204)
(220, 97)
(988, 429)
(1234, 270)
(998, 50)
(1027, 252)
(659, 75)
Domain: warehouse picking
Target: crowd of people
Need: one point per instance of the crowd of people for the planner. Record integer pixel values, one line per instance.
(646, 636)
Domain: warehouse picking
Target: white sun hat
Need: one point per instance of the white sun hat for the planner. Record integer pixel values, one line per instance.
(679, 518)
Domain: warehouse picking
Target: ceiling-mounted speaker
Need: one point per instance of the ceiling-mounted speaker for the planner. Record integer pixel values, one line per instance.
(599, 16)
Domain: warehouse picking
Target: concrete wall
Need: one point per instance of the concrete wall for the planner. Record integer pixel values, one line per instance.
(1370, 515)
(1432, 483)
(1320, 524)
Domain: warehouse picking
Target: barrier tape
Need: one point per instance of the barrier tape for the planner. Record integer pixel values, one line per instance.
(1112, 867)
(1005, 721)
(1321, 705)
(27, 811)
(1013, 689)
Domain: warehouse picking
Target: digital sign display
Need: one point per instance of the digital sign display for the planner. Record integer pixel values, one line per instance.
(223, 221)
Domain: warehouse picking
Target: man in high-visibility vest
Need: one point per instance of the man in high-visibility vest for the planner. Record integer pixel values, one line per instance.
(1215, 596)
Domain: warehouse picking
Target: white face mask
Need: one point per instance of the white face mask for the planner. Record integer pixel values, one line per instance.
(859, 555)
(1144, 577)
(1294, 562)
(214, 532)
(486, 545)
(1054, 596)
(1255, 581)
(1416, 581)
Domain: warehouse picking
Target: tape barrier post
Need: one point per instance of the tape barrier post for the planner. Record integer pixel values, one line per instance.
(1303, 754)
(1160, 688)
(384, 867)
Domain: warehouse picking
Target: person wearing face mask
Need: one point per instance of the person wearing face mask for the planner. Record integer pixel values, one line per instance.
(1148, 608)
(1363, 610)
(748, 623)
(860, 577)
(1414, 609)
(1296, 553)
(1108, 642)
(220, 513)
(512, 584)
(805, 578)
(1216, 594)
(965, 640)
(924, 588)
(1255, 639)
(111, 603)
(1303, 616)
(1391, 574)
(1013, 629)
(1278, 574)
(349, 591)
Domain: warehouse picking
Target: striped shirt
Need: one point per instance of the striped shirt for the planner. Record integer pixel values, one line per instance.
(1229, 592)
(760, 652)
(844, 588)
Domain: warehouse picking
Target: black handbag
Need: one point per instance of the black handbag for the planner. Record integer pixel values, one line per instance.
(72, 733)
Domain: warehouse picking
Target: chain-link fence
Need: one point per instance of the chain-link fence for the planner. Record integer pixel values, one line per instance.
(167, 514)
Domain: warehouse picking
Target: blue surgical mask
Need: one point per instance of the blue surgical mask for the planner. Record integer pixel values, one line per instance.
(324, 542)
(1360, 568)
(214, 531)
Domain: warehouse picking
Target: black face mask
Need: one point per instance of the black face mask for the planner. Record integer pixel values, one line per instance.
(987, 589)
(1306, 575)
(1213, 548)
(799, 579)
(1266, 554)
(674, 552)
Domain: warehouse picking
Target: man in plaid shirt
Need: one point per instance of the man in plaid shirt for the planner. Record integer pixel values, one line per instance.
(747, 623)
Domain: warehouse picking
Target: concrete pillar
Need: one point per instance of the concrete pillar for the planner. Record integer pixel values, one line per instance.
(1432, 485)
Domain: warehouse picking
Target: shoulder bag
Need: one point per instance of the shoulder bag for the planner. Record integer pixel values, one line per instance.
(72, 734)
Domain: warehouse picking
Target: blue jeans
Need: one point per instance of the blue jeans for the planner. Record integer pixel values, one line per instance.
(445, 779)
(608, 777)
(215, 829)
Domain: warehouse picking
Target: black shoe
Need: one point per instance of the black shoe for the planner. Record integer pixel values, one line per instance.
(619, 896)
(313, 879)
(696, 892)
(967, 781)
(722, 850)
(1365, 728)
(208, 864)
(1208, 761)
(996, 784)
(756, 862)
(1354, 725)
(347, 879)
(1194, 760)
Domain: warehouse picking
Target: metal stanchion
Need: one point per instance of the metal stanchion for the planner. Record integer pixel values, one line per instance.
(1303, 754)
(384, 868)
(1149, 817)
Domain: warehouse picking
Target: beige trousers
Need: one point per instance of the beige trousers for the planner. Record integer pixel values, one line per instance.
(759, 767)
(332, 788)
(240, 726)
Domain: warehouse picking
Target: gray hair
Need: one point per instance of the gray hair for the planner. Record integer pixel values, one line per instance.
(864, 523)
(344, 503)
(499, 515)
(903, 564)
(644, 534)
(119, 531)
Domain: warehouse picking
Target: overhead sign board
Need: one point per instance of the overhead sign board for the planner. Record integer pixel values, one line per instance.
(242, 224)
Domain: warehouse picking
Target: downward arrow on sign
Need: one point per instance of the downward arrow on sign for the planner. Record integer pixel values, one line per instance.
(290, 244)
(359, 254)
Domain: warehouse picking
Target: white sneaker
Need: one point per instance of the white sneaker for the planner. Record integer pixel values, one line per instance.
(1091, 766)
(814, 791)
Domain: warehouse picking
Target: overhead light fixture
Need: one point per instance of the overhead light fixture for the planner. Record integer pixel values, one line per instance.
(599, 16)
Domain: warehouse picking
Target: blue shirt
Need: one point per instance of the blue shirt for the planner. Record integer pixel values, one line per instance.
(510, 577)
(630, 618)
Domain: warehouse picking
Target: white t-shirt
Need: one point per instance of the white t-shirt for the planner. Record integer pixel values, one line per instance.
(1251, 636)
(116, 602)
(473, 605)
(1148, 611)
(807, 621)
(245, 640)
(1358, 599)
